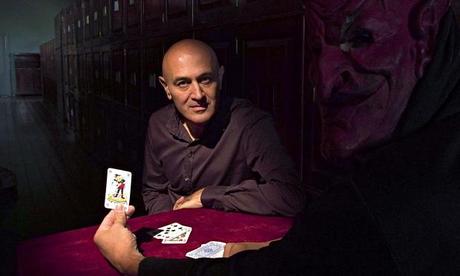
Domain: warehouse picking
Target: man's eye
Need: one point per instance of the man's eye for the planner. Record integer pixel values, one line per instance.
(357, 39)
(362, 37)
(182, 84)
(205, 80)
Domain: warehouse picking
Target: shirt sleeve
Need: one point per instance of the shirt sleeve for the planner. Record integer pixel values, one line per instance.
(277, 192)
(154, 182)
(265, 261)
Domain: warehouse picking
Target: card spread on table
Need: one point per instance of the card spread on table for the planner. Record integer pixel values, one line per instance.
(212, 249)
(174, 233)
(118, 188)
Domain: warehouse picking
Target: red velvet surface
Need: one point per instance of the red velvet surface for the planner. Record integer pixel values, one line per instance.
(74, 253)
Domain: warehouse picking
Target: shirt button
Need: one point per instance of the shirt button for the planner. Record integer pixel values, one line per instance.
(187, 179)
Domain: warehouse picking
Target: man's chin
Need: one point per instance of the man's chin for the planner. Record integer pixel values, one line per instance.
(199, 119)
(333, 153)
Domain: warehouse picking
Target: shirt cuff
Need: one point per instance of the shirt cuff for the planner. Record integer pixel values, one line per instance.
(213, 196)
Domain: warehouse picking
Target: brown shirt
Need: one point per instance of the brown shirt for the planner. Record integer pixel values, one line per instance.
(238, 160)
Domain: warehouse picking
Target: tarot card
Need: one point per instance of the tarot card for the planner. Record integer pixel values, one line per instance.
(118, 188)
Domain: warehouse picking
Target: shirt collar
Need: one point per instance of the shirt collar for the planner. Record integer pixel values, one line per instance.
(213, 130)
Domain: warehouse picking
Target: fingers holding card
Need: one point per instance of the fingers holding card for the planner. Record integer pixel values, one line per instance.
(118, 188)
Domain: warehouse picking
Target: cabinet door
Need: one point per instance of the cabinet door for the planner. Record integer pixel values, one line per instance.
(100, 128)
(82, 83)
(133, 90)
(89, 78)
(79, 21)
(117, 16)
(255, 8)
(176, 8)
(65, 70)
(96, 19)
(133, 16)
(214, 11)
(58, 29)
(64, 28)
(179, 14)
(105, 17)
(73, 74)
(153, 96)
(97, 73)
(79, 30)
(86, 19)
(273, 76)
(70, 25)
(118, 75)
(154, 15)
(106, 73)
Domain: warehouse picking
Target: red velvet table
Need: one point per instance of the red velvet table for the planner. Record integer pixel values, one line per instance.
(74, 253)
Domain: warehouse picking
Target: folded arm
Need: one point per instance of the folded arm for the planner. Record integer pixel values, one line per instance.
(277, 192)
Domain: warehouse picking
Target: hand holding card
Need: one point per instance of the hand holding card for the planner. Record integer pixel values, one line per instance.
(118, 188)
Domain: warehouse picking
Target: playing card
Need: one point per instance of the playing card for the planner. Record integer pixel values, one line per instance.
(169, 231)
(212, 249)
(175, 232)
(118, 188)
(180, 239)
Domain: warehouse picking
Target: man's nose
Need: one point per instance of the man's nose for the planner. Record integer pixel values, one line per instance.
(334, 68)
(196, 91)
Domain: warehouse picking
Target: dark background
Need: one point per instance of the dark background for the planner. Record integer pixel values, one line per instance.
(26, 25)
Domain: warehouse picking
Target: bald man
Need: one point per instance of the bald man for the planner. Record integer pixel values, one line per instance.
(204, 150)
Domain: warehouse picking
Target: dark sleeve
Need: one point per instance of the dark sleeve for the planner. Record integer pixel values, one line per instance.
(277, 192)
(154, 182)
(335, 235)
(156, 266)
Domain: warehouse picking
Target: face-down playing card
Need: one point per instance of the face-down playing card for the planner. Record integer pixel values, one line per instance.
(118, 188)
(212, 249)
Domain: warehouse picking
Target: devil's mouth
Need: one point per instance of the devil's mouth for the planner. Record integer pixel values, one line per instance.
(342, 97)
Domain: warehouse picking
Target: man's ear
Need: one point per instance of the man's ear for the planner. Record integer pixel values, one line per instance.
(424, 23)
(221, 76)
(165, 87)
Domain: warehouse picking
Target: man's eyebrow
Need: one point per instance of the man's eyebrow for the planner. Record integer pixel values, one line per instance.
(207, 74)
(176, 80)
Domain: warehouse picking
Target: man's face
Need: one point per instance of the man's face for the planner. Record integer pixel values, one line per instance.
(193, 84)
(364, 68)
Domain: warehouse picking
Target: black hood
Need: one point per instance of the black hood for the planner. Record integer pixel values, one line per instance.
(436, 96)
(411, 185)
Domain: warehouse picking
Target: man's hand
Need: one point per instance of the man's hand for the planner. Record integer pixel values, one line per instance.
(191, 201)
(117, 243)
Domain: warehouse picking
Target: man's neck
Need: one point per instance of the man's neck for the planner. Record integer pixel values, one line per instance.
(194, 130)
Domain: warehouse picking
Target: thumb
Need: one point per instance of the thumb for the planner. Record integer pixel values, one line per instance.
(120, 216)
